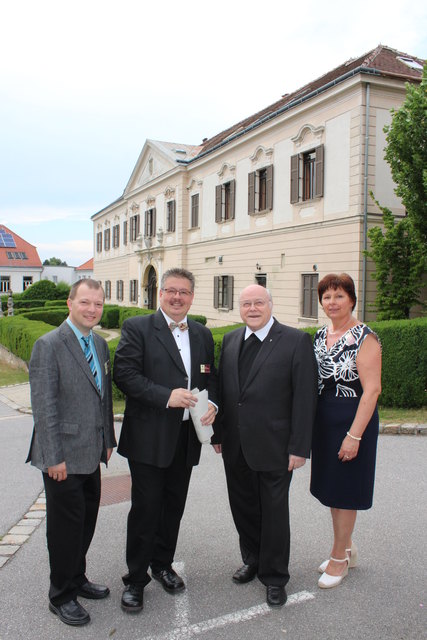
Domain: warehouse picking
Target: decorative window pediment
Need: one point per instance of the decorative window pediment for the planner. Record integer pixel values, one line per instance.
(315, 134)
(260, 152)
(226, 167)
(169, 192)
(134, 207)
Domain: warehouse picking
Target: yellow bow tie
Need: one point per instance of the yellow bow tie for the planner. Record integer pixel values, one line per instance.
(182, 326)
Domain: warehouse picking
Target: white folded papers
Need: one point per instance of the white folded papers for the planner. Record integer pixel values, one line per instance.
(204, 432)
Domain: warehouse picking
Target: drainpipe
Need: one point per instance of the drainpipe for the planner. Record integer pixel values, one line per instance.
(365, 201)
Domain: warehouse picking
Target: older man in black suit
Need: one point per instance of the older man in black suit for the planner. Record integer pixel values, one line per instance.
(267, 398)
(159, 359)
(70, 377)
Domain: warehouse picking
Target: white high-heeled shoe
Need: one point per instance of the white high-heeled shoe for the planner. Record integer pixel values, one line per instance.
(352, 554)
(327, 581)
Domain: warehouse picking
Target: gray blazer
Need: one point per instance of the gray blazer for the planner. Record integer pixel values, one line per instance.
(73, 421)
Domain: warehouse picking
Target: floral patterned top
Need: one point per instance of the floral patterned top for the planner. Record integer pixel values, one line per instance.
(337, 368)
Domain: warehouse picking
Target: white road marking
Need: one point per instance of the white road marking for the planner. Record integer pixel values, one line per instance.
(185, 631)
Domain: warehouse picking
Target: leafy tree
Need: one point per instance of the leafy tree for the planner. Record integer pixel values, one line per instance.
(406, 153)
(400, 261)
(54, 262)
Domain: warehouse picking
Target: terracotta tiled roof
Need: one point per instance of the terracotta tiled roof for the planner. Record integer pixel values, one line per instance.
(21, 247)
(86, 266)
(382, 60)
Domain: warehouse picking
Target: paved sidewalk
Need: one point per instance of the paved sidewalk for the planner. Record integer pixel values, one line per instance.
(371, 603)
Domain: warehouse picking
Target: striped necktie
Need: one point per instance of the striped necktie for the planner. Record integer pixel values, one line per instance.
(89, 357)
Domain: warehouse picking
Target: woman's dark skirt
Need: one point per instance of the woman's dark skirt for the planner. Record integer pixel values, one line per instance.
(342, 485)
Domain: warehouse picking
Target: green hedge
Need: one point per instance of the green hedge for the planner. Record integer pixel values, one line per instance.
(55, 303)
(54, 316)
(129, 312)
(404, 362)
(110, 316)
(18, 335)
(27, 304)
(404, 349)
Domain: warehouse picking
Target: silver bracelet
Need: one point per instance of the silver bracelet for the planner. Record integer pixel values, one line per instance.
(353, 437)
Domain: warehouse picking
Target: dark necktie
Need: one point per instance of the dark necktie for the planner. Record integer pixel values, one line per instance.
(248, 352)
(182, 326)
(90, 359)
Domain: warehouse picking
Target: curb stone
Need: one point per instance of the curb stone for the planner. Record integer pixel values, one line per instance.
(19, 533)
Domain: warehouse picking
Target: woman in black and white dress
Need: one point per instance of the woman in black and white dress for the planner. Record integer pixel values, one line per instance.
(345, 434)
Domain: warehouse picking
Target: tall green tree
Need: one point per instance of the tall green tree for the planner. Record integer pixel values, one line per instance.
(54, 262)
(400, 260)
(406, 153)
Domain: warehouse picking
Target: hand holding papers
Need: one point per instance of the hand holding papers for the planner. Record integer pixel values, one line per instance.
(204, 432)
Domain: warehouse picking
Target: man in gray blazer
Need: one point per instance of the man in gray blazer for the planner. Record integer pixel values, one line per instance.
(70, 378)
(267, 376)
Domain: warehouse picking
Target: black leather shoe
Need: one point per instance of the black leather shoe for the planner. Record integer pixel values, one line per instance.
(276, 596)
(132, 598)
(246, 573)
(169, 579)
(93, 591)
(71, 612)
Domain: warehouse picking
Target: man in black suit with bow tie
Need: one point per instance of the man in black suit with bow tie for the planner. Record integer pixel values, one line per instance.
(159, 359)
(268, 390)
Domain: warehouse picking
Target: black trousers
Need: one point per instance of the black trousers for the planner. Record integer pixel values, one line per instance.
(71, 512)
(158, 502)
(259, 502)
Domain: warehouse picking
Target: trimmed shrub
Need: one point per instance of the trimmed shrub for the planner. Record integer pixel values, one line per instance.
(404, 347)
(112, 345)
(27, 304)
(129, 312)
(110, 316)
(17, 312)
(201, 319)
(404, 362)
(42, 290)
(18, 335)
(62, 290)
(55, 303)
(54, 317)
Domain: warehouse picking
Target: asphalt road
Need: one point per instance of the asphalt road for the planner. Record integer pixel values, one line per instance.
(383, 598)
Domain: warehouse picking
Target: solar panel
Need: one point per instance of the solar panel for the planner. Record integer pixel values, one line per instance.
(6, 239)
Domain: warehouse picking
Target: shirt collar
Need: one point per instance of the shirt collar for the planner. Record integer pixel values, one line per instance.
(169, 320)
(79, 335)
(262, 333)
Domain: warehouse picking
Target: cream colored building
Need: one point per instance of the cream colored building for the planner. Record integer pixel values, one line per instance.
(281, 198)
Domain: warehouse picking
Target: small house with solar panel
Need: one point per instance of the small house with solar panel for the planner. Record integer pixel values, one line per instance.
(20, 264)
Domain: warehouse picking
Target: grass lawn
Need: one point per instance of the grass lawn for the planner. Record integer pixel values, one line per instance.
(11, 375)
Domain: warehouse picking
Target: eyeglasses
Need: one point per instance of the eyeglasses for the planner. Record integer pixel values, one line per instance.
(181, 292)
(258, 304)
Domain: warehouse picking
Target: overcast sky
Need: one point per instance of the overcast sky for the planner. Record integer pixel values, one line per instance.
(83, 84)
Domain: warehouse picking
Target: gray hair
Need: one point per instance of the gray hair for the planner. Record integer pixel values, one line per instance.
(177, 272)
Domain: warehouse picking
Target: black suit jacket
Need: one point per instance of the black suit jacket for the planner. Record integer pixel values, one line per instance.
(272, 416)
(147, 367)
